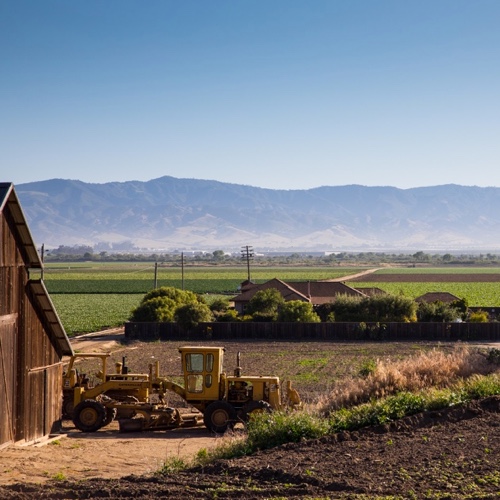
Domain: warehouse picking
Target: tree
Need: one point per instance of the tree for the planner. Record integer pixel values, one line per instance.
(162, 303)
(159, 309)
(297, 311)
(264, 305)
(377, 308)
(437, 312)
(218, 254)
(189, 315)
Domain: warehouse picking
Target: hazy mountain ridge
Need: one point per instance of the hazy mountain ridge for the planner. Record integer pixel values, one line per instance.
(171, 213)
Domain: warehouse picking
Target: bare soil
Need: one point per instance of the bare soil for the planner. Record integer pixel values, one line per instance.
(451, 454)
(427, 278)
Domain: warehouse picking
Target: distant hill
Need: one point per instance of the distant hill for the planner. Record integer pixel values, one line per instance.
(170, 213)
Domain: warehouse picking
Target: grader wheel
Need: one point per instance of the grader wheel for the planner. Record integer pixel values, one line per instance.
(67, 407)
(89, 415)
(219, 416)
(110, 416)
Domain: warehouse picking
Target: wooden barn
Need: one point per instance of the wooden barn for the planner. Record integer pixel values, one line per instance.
(32, 338)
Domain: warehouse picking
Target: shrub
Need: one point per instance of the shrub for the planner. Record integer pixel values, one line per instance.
(297, 311)
(161, 305)
(478, 317)
(437, 312)
(189, 315)
(386, 308)
(264, 304)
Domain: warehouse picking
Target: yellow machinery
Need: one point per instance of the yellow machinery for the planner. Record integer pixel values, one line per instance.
(92, 405)
(220, 400)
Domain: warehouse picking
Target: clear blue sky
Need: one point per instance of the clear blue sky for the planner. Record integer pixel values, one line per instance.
(283, 94)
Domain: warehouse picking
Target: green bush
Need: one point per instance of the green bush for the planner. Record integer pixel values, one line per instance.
(478, 317)
(297, 311)
(161, 304)
(379, 308)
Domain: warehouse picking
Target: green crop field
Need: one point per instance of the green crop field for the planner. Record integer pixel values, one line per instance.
(93, 296)
(477, 294)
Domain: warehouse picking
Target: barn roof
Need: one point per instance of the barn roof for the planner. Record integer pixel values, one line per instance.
(9, 202)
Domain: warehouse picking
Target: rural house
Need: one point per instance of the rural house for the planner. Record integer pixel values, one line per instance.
(32, 338)
(315, 292)
(444, 297)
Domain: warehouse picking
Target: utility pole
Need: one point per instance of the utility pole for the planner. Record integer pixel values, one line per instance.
(182, 269)
(247, 254)
(155, 285)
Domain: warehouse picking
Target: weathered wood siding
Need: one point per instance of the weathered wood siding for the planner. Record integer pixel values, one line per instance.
(8, 329)
(30, 368)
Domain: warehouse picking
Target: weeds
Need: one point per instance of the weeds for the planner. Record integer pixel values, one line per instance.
(428, 369)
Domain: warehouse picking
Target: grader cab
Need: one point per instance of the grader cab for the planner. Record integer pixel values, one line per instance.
(220, 400)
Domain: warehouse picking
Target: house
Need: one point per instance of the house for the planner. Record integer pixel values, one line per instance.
(315, 292)
(32, 338)
(444, 297)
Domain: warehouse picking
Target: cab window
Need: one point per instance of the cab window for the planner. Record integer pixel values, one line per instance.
(194, 363)
(209, 362)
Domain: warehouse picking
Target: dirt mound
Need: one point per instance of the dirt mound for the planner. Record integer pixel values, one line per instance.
(454, 453)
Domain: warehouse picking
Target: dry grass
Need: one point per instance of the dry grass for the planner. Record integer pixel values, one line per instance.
(434, 368)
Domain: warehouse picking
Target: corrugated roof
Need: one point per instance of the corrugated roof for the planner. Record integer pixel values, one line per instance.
(53, 324)
(9, 201)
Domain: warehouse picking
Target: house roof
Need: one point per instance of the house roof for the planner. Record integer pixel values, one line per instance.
(371, 290)
(316, 292)
(286, 291)
(10, 203)
(437, 297)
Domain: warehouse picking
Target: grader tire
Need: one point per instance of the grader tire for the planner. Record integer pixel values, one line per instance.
(67, 407)
(219, 416)
(110, 416)
(89, 415)
(254, 407)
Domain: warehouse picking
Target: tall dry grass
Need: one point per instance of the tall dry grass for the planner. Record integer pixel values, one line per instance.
(428, 369)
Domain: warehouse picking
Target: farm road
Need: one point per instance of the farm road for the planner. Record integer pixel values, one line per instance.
(355, 276)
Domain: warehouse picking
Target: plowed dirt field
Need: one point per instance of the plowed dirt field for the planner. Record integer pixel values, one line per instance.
(451, 454)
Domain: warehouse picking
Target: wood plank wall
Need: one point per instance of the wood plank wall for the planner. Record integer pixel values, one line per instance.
(30, 368)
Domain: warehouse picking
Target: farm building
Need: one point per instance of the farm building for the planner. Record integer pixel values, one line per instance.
(445, 297)
(32, 338)
(315, 292)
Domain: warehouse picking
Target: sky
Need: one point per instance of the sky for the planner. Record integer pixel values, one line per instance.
(280, 94)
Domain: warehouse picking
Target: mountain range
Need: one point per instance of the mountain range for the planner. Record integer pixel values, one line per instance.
(170, 213)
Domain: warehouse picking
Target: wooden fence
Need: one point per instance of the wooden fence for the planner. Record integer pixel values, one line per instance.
(317, 331)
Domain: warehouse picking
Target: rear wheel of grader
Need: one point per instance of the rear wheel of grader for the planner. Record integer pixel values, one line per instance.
(89, 415)
(219, 416)
(110, 416)
(254, 407)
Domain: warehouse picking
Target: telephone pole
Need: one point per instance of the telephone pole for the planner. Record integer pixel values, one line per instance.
(247, 254)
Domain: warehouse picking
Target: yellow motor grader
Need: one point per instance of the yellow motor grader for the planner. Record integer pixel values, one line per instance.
(218, 399)
(84, 398)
